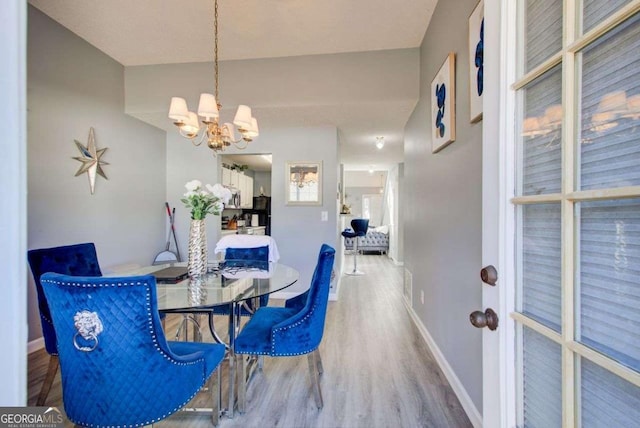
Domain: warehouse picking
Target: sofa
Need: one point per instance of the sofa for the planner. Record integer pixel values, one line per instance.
(376, 239)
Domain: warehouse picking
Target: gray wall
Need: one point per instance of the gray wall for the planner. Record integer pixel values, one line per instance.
(72, 86)
(443, 206)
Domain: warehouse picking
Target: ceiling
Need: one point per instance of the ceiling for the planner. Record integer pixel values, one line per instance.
(149, 32)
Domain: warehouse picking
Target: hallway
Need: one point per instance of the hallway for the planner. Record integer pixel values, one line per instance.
(378, 370)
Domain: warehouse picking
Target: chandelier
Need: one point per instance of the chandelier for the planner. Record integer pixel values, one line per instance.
(218, 136)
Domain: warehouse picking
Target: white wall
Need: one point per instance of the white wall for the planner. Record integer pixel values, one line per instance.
(72, 86)
(443, 207)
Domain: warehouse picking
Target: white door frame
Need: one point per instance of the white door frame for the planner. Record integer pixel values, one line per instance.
(499, 402)
(13, 181)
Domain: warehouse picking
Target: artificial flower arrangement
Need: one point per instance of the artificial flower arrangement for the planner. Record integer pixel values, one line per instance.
(209, 200)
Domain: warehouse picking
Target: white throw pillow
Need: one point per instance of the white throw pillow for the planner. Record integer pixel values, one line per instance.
(382, 229)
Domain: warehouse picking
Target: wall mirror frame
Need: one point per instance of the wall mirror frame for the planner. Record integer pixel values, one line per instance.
(303, 183)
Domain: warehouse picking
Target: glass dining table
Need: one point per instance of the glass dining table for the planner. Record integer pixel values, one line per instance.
(226, 288)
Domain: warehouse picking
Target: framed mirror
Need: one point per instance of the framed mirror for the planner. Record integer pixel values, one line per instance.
(303, 180)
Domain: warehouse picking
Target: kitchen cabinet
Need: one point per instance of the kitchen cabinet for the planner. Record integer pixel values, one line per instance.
(231, 178)
(246, 191)
(226, 177)
(237, 180)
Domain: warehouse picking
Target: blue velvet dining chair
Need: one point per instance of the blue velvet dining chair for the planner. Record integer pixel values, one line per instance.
(117, 367)
(257, 257)
(78, 259)
(359, 227)
(295, 329)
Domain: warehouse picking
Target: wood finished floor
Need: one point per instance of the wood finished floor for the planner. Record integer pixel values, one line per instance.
(378, 372)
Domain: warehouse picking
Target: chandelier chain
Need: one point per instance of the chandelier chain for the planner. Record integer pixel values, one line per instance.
(215, 49)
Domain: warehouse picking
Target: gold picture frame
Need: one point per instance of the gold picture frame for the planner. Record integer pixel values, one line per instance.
(303, 183)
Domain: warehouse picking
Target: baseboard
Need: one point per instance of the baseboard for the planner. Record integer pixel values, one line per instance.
(35, 345)
(467, 404)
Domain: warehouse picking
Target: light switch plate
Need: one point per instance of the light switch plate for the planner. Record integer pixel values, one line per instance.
(324, 216)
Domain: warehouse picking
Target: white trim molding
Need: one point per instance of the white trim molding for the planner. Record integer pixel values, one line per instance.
(35, 345)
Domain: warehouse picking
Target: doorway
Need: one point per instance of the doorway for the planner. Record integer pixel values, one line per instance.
(249, 179)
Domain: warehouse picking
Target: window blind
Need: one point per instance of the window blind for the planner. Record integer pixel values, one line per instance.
(542, 381)
(609, 314)
(543, 31)
(609, 147)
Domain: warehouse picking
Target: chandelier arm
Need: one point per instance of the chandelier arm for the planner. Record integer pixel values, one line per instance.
(239, 144)
(194, 137)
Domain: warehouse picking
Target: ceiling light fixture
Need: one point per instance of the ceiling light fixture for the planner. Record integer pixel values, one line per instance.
(218, 137)
(379, 142)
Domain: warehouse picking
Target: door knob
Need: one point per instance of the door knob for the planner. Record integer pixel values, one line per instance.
(489, 275)
(488, 318)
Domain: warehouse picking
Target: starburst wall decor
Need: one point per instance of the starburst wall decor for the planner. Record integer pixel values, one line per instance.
(91, 160)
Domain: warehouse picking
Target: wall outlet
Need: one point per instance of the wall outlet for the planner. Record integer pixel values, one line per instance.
(422, 296)
(324, 216)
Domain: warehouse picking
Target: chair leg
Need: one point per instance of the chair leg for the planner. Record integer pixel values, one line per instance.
(214, 388)
(319, 361)
(242, 383)
(315, 380)
(184, 324)
(48, 380)
(355, 270)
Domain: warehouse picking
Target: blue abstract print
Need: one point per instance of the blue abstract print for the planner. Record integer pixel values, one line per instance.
(441, 95)
(479, 61)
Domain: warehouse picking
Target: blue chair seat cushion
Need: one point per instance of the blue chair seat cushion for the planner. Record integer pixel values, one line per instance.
(348, 233)
(255, 337)
(212, 353)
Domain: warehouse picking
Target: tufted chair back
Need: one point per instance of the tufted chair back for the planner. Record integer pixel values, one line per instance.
(78, 260)
(303, 332)
(117, 368)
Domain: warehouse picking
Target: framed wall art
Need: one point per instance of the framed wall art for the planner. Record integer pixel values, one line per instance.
(476, 62)
(303, 181)
(443, 114)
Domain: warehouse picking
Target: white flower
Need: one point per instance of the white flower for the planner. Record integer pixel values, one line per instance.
(220, 192)
(202, 202)
(193, 185)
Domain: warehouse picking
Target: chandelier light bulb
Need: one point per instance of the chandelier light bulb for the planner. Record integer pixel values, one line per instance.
(379, 142)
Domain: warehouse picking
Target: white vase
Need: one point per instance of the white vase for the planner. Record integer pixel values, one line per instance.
(197, 264)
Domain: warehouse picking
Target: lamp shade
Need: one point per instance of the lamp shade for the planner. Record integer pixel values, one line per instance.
(178, 110)
(243, 117)
(252, 131)
(208, 107)
(191, 126)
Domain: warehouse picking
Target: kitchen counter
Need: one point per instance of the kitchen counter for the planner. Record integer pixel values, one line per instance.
(250, 230)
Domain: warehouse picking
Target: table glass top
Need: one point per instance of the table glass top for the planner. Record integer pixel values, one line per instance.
(227, 282)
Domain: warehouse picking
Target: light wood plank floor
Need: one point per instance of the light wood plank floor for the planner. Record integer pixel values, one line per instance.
(378, 371)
